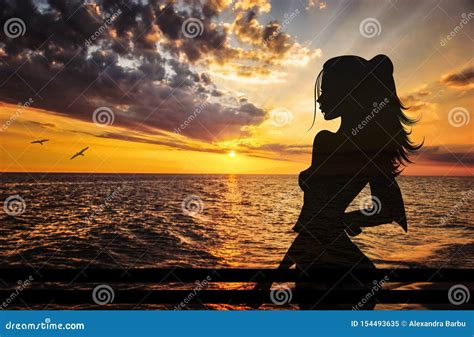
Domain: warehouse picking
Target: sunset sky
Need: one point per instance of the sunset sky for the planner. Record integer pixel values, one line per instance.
(219, 86)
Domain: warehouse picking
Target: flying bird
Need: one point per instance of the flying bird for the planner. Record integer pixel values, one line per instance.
(80, 153)
(40, 141)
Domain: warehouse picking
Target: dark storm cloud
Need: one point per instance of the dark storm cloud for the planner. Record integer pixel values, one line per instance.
(418, 101)
(163, 141)
(284, 150)
(42, 125)
(148, 88)
(460, 155)
(460, 79)
(248, 29)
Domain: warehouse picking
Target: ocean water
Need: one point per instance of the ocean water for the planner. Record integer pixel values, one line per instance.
(132, 221)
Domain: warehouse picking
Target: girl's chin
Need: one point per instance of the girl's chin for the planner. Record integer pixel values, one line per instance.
(328, 117)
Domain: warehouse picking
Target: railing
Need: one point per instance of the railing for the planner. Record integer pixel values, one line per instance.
(55, 283)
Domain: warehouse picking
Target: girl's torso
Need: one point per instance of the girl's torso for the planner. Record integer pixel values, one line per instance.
(338, 172)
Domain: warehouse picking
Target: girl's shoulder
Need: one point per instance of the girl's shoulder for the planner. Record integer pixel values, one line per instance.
(335, 154)
(324, 135)
(326, 142)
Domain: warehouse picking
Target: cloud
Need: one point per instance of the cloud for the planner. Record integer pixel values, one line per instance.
(462, 78)
(171, 143)
(418, 101)
(449, 154)
(134, 66)
(270, 37)
(263, 5)
(42, 125)
(273, 151)
(142, 65)
(283, 150)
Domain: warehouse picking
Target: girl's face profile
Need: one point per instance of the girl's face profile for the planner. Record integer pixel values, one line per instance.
(337, 96)
(329, 103)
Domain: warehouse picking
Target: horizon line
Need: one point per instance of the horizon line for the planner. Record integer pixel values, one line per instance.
(200, 173)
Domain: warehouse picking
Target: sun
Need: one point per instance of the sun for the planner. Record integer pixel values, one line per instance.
(232, 154)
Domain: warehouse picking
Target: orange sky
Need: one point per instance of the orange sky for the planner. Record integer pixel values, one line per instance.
(258, 99)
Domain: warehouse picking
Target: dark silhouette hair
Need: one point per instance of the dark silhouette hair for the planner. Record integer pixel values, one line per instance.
(364, 94)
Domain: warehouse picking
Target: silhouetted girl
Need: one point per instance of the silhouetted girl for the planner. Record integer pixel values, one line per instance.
(370, 147)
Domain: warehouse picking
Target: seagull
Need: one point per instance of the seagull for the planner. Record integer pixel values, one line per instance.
(40, 141)
(80, 153)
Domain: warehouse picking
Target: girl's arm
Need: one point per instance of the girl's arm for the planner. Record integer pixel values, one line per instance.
(363, 219)
(387, 206)
(356, 219)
